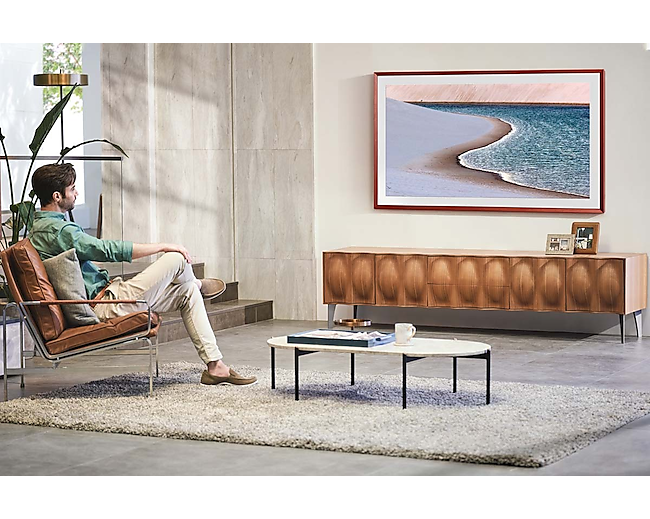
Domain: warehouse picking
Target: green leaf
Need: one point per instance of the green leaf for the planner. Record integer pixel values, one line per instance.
(67, 150)
(47, 123)
(26, 210)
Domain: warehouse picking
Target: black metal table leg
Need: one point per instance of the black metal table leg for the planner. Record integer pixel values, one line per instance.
(272, 368)
(488, 364)
(405, 360)
(621, 321)
(352, 369)
(297, 354)
(297, 375)
(455, 372)
(403, 381)
(488, 359)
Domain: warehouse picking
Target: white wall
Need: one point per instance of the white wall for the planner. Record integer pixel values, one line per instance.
(21, 108)
(92, 127)
(344, 159)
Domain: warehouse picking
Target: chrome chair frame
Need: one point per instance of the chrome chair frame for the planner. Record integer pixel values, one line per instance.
(40, 348)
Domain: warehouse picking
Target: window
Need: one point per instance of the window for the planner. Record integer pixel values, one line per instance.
(65, 58)
(23, 105)
(62, 57)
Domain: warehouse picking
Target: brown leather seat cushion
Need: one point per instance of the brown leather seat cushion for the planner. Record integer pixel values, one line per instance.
(33, 285)
(73, 338)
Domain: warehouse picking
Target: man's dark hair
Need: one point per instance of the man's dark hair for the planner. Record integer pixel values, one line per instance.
(50, 178)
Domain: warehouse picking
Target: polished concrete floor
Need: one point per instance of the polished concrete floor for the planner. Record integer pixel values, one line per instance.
(593, 361)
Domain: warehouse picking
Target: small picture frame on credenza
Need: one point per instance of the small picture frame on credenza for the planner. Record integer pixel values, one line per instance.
(587, 234)
(560, 244)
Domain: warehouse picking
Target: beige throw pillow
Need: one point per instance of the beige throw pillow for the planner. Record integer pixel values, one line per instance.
(64, 273)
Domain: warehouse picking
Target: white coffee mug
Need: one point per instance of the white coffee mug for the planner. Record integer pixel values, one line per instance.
(404, 332)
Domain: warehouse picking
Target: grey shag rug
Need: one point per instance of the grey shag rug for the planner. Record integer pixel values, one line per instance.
(525, 425)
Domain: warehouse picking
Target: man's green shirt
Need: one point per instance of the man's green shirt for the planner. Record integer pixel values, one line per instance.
(52, 234)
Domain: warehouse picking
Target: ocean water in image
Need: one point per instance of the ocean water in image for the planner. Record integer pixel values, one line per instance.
(548, 149)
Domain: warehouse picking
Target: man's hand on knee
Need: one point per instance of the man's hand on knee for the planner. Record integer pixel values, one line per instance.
(170, 247)
(140, 250)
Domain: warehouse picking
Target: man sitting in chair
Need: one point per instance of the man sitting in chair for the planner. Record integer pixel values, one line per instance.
(167, 284)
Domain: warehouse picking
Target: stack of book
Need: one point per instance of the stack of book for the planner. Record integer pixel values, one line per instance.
(341, 338)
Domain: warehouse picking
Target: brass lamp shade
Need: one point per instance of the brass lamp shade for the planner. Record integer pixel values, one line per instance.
(48, 80)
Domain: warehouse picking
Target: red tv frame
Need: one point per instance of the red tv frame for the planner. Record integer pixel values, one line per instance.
(508, 140)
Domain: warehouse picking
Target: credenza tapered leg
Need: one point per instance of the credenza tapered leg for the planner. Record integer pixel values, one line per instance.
(330, 315)
(621, 320)
(638, 321)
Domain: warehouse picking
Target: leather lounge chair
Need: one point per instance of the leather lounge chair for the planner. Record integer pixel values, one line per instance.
(40, 311)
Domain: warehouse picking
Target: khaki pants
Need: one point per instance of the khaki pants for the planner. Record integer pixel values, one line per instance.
(167, 285)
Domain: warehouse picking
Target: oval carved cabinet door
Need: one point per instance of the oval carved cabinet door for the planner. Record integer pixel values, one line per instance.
(550, 284)
(610, 286)
(443, 281)
(497, 283)
(363, 278)
(581, 290)
(390, 274)
(470, 282)
(336, 278)
(522, 283)
(415, 281)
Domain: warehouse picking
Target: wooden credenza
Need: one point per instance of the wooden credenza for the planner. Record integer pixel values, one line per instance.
(486, 279)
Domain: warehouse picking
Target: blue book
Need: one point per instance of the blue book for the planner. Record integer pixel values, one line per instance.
(303, 338)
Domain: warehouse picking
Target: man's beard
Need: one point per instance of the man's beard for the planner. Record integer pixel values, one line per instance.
(67, 204)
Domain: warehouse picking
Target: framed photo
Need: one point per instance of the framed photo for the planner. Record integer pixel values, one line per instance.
(586, 234)
(560, 244)
(519, 140)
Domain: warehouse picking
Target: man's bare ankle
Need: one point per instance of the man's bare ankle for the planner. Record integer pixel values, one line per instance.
(218, 369)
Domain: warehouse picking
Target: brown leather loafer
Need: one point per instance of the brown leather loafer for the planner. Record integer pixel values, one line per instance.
(212, 287)
(234, 379)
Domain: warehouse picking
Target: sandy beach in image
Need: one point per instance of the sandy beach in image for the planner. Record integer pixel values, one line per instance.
(517, 93)
(423, 149)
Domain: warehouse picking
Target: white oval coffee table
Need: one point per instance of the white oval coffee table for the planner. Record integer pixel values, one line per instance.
(418, 348)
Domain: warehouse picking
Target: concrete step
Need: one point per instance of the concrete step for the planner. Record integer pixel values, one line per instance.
(231, 293)
(226, 314)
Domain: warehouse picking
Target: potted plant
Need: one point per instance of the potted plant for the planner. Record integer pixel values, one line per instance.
(23, 208)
